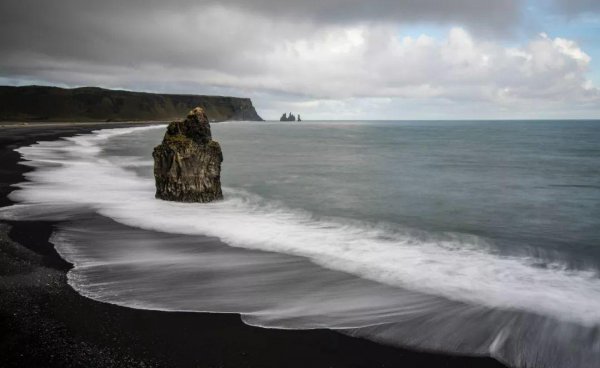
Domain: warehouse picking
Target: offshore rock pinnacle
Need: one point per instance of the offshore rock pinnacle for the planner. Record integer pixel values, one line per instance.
(187, 164)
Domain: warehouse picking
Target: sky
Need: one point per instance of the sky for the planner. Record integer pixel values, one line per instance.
(324, 59)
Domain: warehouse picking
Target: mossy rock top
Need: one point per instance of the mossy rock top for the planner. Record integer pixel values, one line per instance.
(194, 127)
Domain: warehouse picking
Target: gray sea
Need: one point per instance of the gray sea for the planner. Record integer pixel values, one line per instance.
(471, 237)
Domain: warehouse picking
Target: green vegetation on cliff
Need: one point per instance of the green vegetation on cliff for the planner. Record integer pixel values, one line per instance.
(38, 103)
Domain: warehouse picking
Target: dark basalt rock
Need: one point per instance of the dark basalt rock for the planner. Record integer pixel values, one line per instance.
(289, 117)
(187, 164)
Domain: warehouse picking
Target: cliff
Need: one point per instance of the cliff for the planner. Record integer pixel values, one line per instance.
(37, 103)
(187, 164)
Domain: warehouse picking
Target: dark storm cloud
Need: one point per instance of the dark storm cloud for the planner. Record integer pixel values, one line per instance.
(127, 33)
(85, 29)
(486, 14)
(478, 13)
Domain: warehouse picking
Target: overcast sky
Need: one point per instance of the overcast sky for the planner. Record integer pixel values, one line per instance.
(324, 59)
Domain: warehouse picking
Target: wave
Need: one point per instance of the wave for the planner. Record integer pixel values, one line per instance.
(448, 284)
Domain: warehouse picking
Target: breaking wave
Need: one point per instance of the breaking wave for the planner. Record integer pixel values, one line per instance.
(291, 268)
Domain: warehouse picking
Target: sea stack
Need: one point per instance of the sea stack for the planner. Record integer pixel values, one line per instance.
(289, 117)
(187, 164)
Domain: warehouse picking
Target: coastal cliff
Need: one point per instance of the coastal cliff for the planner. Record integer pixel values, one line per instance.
(187, 164)
(38, 103)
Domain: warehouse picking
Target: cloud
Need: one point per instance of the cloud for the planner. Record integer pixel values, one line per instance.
(488, 15)
(546, 73)
(295, 55)
(576, 7)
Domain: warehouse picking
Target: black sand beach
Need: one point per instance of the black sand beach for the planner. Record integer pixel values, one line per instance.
(47, 324)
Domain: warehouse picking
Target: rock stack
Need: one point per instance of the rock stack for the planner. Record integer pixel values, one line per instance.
(289, 117)
(187, 164)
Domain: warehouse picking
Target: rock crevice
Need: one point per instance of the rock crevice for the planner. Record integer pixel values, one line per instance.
(187, 164)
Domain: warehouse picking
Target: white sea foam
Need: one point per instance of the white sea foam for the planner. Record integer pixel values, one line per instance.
(72, 173)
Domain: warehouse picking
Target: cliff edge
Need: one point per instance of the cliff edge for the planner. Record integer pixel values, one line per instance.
(38, 103)
(187, 164)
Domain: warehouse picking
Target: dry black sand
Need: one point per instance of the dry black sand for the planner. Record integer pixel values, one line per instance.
(44, 323)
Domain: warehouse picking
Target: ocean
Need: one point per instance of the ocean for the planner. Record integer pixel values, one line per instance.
(469, 237)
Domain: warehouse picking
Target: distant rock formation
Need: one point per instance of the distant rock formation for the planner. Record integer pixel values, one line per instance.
(289, 117)
(187, 164)
(39, 103)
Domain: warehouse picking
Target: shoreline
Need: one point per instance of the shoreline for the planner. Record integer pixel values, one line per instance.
(48, 324)
(66, 124)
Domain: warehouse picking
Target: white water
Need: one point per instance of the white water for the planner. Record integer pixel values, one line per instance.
(72, 175)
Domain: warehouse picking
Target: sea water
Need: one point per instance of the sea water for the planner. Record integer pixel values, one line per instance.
(472, 237)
